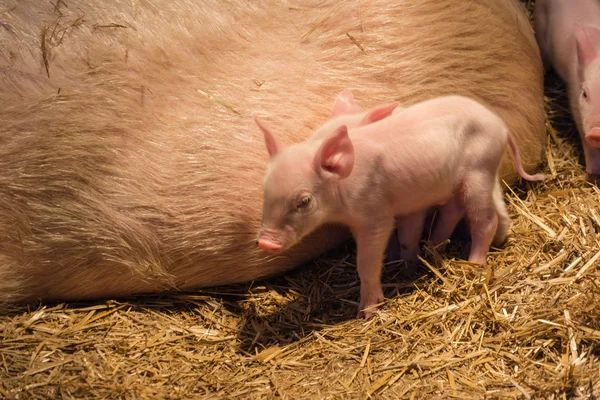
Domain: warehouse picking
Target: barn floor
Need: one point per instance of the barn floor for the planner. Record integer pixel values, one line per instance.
(525, 327)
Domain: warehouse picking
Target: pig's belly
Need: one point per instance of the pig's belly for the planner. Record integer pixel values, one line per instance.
(424, 195)
(424, 171)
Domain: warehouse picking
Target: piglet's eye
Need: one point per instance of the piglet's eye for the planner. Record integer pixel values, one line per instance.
(304, 201)
(584, 94)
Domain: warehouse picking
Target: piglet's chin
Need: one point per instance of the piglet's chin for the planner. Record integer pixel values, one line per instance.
(593, 137)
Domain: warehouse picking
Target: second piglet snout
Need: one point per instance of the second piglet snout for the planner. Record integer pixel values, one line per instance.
(592, 136)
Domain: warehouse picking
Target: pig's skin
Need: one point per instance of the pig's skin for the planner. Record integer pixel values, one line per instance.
(568, 34)
(131, 180)
(443, 151)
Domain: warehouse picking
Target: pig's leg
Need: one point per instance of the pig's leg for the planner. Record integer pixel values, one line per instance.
(503, 218)
(450, 215)
(393, 248)
(481, 213)
(410, 228)
(371, 241)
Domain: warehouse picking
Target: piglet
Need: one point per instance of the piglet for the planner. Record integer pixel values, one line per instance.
(568, 34)
(440, 151)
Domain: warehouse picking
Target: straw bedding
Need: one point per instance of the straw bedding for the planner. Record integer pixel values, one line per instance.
(527, 326)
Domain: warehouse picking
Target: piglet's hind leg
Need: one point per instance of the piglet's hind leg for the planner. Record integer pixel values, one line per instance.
(482, 215)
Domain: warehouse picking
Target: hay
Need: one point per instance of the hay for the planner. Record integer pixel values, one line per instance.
(527, 326)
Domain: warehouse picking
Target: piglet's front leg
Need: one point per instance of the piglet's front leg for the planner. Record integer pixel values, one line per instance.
(371, 242)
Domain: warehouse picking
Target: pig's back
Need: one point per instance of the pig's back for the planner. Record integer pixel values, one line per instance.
(561, 16)
(448, 113)
(430, 145)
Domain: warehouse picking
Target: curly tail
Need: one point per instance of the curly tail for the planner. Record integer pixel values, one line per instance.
(517, 158)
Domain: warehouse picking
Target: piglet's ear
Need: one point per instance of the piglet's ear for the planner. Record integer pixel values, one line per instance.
(344, 104)
(274, 144)
(378, 113)
(336, 154)
(586, 53)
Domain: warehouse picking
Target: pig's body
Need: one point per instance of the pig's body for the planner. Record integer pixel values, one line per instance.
(558, 23)
(443, 151)
(131, 164)
(554, 21)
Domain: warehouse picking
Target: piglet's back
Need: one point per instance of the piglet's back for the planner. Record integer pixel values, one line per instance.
(423, 121)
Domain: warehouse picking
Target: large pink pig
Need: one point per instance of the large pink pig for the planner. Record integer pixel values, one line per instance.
(568, 33)
(441, 151)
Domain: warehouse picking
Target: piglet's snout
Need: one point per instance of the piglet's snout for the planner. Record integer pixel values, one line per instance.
(268, 243)
(592, 136)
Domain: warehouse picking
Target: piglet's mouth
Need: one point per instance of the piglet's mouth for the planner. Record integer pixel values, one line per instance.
(268, 244)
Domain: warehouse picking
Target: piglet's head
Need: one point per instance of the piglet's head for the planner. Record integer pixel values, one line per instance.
(587, 40)
(300, 186)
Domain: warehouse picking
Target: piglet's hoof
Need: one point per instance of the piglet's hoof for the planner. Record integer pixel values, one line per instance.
(368, 303)
(410, 254)
(366, 313)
